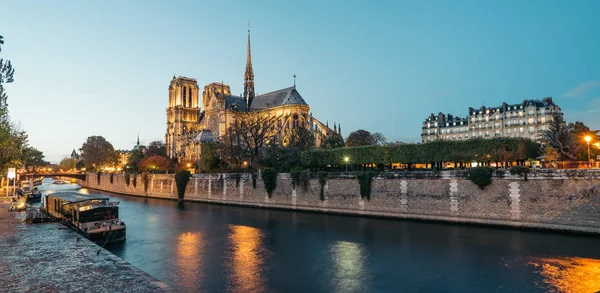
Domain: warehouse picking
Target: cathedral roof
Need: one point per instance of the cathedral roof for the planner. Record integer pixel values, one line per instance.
(287, 96)
(205, 136)
(236, 102)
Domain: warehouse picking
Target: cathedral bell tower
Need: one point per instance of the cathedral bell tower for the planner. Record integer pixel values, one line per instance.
(182, 114)
(249, 77)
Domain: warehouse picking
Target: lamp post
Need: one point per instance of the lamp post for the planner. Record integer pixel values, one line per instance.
(588, 139)
(346, 159)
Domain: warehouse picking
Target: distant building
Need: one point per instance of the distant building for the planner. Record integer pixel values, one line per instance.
(75, 155)
(527, 119)
(138, 146)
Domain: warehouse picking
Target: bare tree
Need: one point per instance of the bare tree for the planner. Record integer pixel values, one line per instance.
(248, 136)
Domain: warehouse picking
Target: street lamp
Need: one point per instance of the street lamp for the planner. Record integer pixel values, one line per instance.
(346, 159)
(588, 139)
(188, 165)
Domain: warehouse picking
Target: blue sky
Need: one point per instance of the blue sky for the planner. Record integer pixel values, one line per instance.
(103, 67)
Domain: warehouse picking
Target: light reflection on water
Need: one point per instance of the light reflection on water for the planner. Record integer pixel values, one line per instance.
(247, 261)
(568, 274)
(189, 257)
(349, 261)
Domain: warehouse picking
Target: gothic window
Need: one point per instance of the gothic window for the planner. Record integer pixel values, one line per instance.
(184, 96)
(189, 97)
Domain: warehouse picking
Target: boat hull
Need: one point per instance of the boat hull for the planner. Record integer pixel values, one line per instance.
(112, 237)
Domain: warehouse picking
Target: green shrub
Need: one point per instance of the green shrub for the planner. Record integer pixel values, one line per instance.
(181, 180)
(127, 178)
(521, 171)
(237, 177)
(322, 181)
(269, 177)
(146, 180)
(481, 176)
(300, 177)
(99, 174)
(134, 181)
(112, 175)
(254, 180)
(365, 179)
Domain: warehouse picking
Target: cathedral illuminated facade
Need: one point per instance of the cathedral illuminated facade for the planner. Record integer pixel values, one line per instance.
(193, 119)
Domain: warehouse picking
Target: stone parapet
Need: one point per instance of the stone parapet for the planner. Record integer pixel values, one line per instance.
(563, 199)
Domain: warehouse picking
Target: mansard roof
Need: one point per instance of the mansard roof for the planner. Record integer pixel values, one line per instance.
(287, 96)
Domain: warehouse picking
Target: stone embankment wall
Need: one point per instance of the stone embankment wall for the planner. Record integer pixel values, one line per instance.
(560, 200)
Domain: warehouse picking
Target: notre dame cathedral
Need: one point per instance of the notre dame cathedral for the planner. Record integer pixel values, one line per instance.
(189, 123)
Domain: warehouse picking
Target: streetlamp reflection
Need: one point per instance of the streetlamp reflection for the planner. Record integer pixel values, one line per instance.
(568, 274)
(349, 262)
(189, 257)
(247, 259)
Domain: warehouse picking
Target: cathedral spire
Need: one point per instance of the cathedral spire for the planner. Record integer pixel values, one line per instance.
(138, 141)
(249, 76)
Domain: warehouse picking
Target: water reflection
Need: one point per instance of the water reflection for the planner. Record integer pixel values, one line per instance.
(568, 274)
(247, 261)
(349, 262)
(189, 257)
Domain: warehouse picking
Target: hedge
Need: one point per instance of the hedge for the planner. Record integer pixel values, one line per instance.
(497, 149)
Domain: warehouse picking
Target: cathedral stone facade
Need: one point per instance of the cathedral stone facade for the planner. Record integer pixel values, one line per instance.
(191, 123)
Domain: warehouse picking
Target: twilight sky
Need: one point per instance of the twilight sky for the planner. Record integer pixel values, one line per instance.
(103, 67)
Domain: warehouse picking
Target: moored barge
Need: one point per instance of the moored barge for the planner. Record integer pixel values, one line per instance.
(94, 217)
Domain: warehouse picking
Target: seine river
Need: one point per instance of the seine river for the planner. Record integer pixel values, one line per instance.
(196, 247)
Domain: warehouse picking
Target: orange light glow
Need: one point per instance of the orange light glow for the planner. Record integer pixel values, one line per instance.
(569, 274)
(189, 256)
(588, 138)
(247, 261)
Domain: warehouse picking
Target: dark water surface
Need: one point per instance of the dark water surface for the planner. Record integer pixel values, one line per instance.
(198, 247)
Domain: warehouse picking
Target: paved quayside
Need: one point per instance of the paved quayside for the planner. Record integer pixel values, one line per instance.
(48, 258)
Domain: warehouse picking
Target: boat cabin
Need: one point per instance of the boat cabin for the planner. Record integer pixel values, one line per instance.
(81, 208)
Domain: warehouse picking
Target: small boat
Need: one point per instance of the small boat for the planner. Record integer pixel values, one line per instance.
(94, 217)
(58, 182)
(34, 196)
(26, 187)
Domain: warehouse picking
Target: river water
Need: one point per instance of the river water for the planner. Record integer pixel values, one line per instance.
(196, 247)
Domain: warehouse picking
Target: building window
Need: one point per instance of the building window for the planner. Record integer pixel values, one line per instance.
(521, 130)
(530, 121)
(543, 120)
(531, 129)
(508, 131)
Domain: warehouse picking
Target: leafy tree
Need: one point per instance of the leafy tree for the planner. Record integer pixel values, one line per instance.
(559, 137)
(280, 158)
(332, 142)
(134, 160)
(67, 164)
(12, 139)
(580, 131)
(181, 180)
(209, 160)
(32, 158)
(301, 138)
(155, 163)
(156, 148)
(360, 138)
(80, 165)
(98, 153)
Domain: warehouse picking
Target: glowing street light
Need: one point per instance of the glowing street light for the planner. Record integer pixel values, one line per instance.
(346, 159)
(188, 165)
(588, 139)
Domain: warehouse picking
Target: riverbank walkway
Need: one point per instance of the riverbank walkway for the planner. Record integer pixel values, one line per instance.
(49, 257)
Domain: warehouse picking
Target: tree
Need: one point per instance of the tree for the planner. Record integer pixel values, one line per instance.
(560, 138)
(301, 138)
(155, 163)
(67, 164)
(134, 160)
(248, 136)
(32, 158)
(360, 138)
(156, 148)
(98, 153)
(12, 139)
(332, 142)
(379, 138)
(580, 131)
(209, 160)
